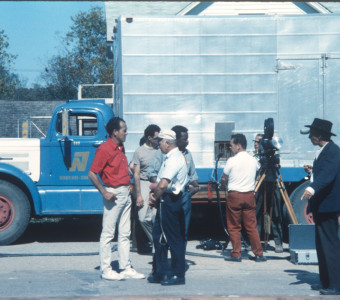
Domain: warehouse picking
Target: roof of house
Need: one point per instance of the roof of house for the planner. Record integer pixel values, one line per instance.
(222, 8)
(114, 9)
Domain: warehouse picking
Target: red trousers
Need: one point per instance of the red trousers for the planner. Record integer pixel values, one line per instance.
(241, 210)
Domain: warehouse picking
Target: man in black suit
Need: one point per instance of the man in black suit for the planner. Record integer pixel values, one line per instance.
(323, 196)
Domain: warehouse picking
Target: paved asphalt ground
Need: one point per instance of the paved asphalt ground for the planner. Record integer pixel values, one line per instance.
(71, 270)
(60, 261)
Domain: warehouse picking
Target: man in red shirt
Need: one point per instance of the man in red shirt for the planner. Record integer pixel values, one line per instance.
(110, 163)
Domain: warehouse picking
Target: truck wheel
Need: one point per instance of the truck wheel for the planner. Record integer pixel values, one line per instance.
(15, 211)
(300, 206)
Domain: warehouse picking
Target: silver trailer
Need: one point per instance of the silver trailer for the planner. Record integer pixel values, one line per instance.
(222, 75)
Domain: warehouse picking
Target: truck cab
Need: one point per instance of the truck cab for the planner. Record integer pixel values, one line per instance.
(48, 176)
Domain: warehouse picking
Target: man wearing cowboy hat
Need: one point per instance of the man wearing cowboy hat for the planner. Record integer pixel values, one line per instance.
(323, 196)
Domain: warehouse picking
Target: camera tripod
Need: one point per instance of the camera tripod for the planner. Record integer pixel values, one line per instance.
(276, 182)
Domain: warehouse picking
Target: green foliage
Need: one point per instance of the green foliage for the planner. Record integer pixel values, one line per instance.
(83, 59)
(6, 59)
(8, 80)
(32, 94)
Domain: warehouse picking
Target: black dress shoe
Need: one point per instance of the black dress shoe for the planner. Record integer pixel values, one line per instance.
(316, 287)
(260, 258)
(155, 278)
(232, 258)
(173, 280)
(330, 291)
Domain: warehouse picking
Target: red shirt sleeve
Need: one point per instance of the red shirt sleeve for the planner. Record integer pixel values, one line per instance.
(100, 160)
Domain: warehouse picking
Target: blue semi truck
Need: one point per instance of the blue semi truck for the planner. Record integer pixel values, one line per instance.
(214, 75)
(48, 176)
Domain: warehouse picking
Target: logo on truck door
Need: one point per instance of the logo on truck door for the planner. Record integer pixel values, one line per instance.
(79, 161)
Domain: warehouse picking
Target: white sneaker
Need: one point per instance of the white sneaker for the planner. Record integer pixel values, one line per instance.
(112, 275)
(131, 273)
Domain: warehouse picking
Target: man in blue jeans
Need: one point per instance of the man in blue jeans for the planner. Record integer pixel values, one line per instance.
(182, 141)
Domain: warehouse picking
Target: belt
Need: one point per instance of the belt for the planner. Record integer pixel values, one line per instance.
(116, 186)
(240, 192)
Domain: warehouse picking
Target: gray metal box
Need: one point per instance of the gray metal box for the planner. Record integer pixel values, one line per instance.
(304, 257)
(302, 244)
(301, 236)
(223, 131)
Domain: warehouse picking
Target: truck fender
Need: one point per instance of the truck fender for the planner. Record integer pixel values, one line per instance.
(13, 174)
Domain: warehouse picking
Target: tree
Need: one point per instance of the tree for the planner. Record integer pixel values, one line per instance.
(36, 93)
(83, 59)
(8, 80)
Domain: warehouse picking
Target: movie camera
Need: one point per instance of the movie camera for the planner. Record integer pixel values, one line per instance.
(268, 146)
(270, 165)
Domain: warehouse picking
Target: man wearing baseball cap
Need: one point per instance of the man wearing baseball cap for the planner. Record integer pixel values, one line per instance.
(169, 229)
(323, 196)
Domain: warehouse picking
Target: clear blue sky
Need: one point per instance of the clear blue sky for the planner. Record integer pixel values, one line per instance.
(34, 30)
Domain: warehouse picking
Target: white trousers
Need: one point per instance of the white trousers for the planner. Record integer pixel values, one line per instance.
(116, 213)
(146, 215)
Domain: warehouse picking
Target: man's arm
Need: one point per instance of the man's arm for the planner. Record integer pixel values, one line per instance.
(191, 168)
(194, 187)
(160, 190)
(325, 174)
(224, 181)
(136, 178)
(224, 184)
(131, 168)
(154, 166)
(96, 182)
(193, 177)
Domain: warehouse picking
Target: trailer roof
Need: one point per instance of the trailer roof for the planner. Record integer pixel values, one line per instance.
(114, 9)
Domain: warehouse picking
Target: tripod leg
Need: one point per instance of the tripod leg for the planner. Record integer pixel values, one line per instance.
(286, 199)
(266, 218)
(258, 181)
(271, 207)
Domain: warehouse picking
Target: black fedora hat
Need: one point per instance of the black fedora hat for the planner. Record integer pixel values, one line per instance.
(322, 125)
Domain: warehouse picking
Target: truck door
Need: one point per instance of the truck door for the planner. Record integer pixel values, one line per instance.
(67, 160)
(300, 100)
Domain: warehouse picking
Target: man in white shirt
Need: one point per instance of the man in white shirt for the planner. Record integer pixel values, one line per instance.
(239, 177)
(169, 227)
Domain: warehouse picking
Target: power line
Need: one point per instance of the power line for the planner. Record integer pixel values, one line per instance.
(28, 70)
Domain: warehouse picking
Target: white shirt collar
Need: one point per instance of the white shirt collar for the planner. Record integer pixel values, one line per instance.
(320, 150)
(171, 152)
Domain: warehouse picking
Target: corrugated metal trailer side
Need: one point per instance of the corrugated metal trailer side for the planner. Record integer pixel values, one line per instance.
(199, 71)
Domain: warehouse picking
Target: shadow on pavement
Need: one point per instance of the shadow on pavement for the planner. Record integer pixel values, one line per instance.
(205, 223)
(303, 277)
(63, 229)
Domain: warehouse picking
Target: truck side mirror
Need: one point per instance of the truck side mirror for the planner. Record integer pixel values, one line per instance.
(65, 122)
(66, 141)
(67, 153)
